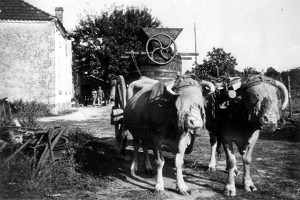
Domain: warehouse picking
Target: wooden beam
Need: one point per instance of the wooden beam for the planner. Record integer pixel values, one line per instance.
(186, 58)
(135, 53)
(144, 53)
(188, 54)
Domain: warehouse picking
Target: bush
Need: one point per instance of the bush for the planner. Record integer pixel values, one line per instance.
(79, 138)
(28, 112)
(64, 175)
(18, 178)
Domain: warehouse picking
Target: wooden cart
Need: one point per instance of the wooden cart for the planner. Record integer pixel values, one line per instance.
(159, 61)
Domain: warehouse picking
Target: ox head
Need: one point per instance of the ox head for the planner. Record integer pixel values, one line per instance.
(264, 101)
(189, 101)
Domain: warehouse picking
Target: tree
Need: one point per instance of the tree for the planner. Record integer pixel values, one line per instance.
(218, 63)
(294, 75)
(250, 70)
(271, 72)
(100, 41)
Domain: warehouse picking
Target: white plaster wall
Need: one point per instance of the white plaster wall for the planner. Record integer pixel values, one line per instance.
(63, 75)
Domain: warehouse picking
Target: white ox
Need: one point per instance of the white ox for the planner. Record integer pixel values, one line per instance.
(165, 114)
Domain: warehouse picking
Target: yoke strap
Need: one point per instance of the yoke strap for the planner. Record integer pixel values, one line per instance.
(251, 81)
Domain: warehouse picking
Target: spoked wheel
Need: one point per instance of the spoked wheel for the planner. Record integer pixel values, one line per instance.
(117, 115)
(161, 48)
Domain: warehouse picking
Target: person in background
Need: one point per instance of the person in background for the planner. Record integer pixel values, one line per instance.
(100, 96)
(94, 95)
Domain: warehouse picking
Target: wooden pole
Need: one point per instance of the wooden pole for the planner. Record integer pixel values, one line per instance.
(290, 97)
(195, 43)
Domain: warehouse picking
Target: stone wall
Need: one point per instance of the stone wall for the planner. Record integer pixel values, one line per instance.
(28, 62)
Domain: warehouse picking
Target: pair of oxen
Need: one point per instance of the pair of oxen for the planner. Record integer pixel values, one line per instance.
(171, 113)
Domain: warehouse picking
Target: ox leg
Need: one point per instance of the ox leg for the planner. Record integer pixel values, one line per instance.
(213, 143)
(148, 167)
(160, 161)
(230, 189)
(181, 186)
(134, 165)
(247, 159)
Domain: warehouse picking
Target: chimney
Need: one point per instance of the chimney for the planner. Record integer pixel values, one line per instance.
(59, 11)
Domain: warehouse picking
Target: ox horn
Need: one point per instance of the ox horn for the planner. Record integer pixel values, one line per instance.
(285, 93)
(210, 85)
(169, 86)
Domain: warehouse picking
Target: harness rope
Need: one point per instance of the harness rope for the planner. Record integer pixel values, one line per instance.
(135, 63)
(247, 83)
(257, 79)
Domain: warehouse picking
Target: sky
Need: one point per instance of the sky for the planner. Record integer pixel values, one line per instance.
(258, 33)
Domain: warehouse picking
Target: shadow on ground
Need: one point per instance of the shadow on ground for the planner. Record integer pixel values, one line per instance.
(275, 166)
(100, 159)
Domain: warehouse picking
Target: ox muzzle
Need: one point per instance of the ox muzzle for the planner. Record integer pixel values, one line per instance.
(193, 122)
(268, 123)
(267, 115)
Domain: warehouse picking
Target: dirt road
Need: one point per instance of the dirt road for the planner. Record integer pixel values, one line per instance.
(275, 169)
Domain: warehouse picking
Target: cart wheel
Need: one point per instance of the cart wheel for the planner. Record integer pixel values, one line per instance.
(161, 48)
(120, 103)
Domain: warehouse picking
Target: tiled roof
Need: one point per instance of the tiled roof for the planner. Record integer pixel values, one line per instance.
(23, 11)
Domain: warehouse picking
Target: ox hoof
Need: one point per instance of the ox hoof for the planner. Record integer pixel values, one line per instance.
(250, 188)
(230, 190)
(159, 189)
(184, 191)
(159, 192)
(211, 167)
(133, 172)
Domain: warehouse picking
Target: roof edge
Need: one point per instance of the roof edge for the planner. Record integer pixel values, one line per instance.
(45, 13)
(61, 28)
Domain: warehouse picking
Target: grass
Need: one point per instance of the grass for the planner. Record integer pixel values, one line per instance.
(86, 169)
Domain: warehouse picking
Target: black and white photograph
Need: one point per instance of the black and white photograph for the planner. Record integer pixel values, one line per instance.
(149, 99)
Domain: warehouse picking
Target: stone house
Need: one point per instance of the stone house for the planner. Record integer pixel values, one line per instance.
(35, 55)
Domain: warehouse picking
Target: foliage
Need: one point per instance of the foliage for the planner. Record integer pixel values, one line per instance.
(271, 72)
(54, 177)
(28, 112)
(100, 41)
(294, 77)
(17, 179)
(79, 138)
(218, 63)
(250, 70)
